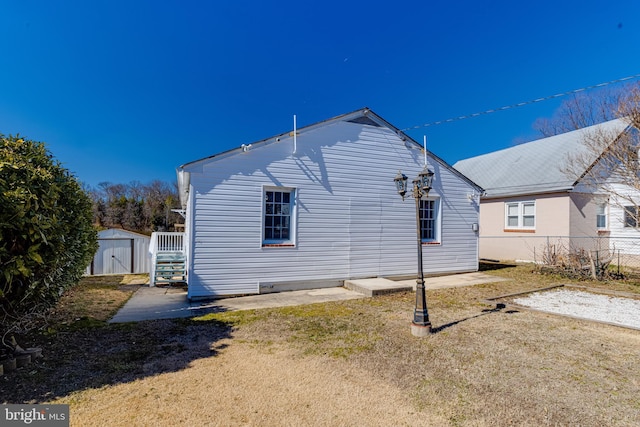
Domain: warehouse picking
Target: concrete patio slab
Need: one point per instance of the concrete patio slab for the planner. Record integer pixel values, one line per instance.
(149, 303)
(378, 286)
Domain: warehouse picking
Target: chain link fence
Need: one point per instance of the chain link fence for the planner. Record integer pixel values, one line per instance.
(586, 256)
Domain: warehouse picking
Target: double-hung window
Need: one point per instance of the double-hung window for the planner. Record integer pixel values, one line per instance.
(601, 216)
(520, 215)
(429, 220)
(631, 217)
(277, 216)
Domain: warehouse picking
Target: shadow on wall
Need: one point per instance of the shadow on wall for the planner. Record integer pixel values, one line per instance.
(309, 156)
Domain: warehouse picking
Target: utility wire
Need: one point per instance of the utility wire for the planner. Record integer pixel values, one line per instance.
(521, 104)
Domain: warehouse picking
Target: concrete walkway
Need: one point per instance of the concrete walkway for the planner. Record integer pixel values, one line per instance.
(149, 303)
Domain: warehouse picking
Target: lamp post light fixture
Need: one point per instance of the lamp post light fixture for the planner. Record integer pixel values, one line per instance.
(421, 326)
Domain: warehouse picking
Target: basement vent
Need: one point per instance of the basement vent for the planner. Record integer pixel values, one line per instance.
(364, 120)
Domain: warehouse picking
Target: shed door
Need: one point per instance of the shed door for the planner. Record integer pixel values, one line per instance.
(116, 256)
(365, 237)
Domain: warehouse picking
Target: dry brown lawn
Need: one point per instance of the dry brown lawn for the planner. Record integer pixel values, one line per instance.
(97, 297)
(348, 363)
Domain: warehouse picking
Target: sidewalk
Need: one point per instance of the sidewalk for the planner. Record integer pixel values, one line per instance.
(150, 303)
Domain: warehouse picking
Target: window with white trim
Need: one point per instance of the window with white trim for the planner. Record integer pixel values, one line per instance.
(601, 216)
(277, 216)
(429, 220)
(520, 215)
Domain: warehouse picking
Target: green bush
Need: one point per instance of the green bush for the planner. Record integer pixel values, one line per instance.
(46, 234)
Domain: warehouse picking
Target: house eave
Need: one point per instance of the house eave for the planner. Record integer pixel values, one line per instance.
(548, 191)
(284, 136)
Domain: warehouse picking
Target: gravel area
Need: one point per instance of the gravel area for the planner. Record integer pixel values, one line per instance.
(586, 305)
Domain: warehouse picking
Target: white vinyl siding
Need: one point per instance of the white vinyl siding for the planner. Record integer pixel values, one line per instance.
(340, 231)
(520, 215)
(621, 219)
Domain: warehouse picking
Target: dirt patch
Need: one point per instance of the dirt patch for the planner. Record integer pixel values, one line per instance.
(246, 386)
(93, 356)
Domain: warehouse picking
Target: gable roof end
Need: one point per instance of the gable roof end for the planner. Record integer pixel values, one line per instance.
(361, 116)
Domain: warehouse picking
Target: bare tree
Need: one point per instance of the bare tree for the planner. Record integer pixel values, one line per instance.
(609, 161)
(607, 164)
(586, 109)
(137, 207)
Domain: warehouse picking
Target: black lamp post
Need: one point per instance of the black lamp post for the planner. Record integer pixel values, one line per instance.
(421, 326)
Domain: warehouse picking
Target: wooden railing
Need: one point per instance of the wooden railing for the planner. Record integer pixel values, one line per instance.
(166, 242)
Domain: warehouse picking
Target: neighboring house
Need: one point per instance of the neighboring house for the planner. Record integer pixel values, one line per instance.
(120, 252)
(320, 206)
(531, 204)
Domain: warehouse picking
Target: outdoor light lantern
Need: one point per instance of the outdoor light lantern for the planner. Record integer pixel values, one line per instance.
(426, 179)
(401, 184)
(421, 326)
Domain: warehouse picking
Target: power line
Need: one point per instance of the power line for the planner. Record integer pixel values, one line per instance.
(521, 104)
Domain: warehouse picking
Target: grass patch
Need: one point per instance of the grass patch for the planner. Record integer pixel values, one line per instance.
(233, 318)
(328, 329)
(334, 329)
(316, 311)
(96, 298)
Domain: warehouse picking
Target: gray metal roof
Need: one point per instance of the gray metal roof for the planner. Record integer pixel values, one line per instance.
(533, 167)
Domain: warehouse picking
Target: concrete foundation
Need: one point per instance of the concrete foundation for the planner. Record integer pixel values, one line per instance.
(420, 331)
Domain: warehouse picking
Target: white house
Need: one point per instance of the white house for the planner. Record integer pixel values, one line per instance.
(320, 206)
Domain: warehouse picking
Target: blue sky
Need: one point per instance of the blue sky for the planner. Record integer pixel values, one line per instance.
(127, 91)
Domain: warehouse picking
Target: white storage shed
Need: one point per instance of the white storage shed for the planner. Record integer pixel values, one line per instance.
(121, 252)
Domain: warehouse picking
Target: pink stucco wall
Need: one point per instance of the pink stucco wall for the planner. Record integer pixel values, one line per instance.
(562, 220)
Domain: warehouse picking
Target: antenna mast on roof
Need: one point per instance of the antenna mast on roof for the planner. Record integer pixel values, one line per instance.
(425, 151)
(295, 135)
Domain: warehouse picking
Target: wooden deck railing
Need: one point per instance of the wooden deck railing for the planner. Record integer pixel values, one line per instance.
(166, 242)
